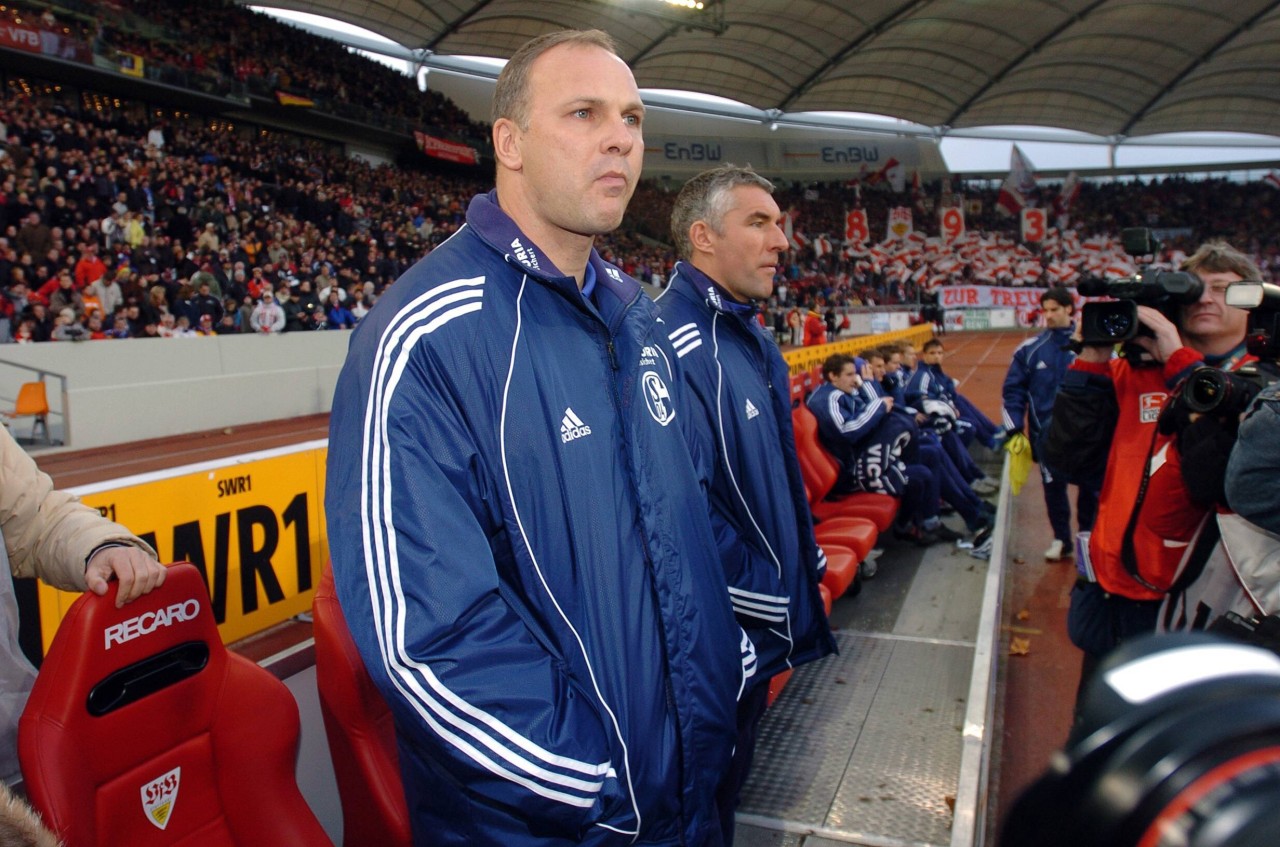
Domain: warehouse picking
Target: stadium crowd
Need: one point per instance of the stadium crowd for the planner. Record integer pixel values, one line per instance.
(121, 221)
(230, 49)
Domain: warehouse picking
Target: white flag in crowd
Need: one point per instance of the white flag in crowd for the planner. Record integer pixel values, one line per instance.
(1018, 185)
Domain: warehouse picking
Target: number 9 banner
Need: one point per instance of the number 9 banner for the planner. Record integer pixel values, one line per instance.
(952, 223)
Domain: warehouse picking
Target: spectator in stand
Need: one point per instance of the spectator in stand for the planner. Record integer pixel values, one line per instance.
(35, 236)
(66, 296)
(267, 316)
(168, 325)
(184, 305)
(203, 302)
(308, 300)
(40, 321)
(1030, 386)
(133, 315)
(155, 305)
(244, 313)
(120, 327)
(106, 290)
(229, 324)
(337, 315)
(89, 268)
(815, 326)
(67, 327)
(183, 329)
(205, 327)
(206, 276)
(358, 306)
(291, 305)
(94, 325)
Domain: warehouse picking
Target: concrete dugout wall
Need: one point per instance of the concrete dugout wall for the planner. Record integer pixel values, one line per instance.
(148, 388)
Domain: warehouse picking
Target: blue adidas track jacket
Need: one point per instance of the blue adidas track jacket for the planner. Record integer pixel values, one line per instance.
(520, 545)
(741, 394)
(1031, 384)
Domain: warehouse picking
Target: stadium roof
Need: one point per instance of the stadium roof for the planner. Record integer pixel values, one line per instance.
(1113, 68)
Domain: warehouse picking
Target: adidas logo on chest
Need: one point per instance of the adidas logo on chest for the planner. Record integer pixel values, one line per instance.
(572, 427)
(751, 409)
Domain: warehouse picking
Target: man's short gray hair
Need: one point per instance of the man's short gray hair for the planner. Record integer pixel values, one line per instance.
(706, 197)
(511, 95)
(1217, 256)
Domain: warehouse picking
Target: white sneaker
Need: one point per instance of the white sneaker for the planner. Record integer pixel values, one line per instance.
(983, 487)
(868, 568)
(1057, 551)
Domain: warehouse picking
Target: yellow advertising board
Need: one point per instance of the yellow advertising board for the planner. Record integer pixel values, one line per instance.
(253, 524)
(801, 359)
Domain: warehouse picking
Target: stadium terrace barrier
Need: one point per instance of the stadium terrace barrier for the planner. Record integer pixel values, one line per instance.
(802, 359)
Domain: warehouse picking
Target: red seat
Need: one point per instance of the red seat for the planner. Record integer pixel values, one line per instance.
(798, 392)
(820, 472)
(143, 730)
(880, 509)
(842, 569)
(826, 598)
(858, 534)
(777, 683)
(361, 733)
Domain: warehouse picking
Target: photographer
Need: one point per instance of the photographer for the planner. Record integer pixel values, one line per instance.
(1104, 429)
(1237, 591)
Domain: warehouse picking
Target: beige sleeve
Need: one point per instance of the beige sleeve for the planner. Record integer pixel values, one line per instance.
(48, 533)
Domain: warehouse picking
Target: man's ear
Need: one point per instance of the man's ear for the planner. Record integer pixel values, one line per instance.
(702, 237)
(506, 144)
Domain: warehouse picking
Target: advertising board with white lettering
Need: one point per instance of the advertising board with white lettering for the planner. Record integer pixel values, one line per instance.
(253, 525)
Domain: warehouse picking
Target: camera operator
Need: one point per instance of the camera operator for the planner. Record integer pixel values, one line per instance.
(1104, 428)
(1237, 591)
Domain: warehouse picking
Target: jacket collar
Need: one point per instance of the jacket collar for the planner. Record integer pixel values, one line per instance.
(713, 294)
(496, 228)
(613, 289)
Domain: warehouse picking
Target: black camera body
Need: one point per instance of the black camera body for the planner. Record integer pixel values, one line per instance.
(1116, 322)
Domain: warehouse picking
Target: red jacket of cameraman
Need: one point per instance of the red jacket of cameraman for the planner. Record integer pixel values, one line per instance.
(1169, 520)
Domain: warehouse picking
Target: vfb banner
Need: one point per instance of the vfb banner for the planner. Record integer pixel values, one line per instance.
(900, 223)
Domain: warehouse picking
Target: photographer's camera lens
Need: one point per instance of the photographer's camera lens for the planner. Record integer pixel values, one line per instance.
(1117, 325)
(1178, 745)
(1206, 388)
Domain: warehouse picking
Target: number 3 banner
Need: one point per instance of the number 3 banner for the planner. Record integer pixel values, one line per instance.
(1034, 224)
